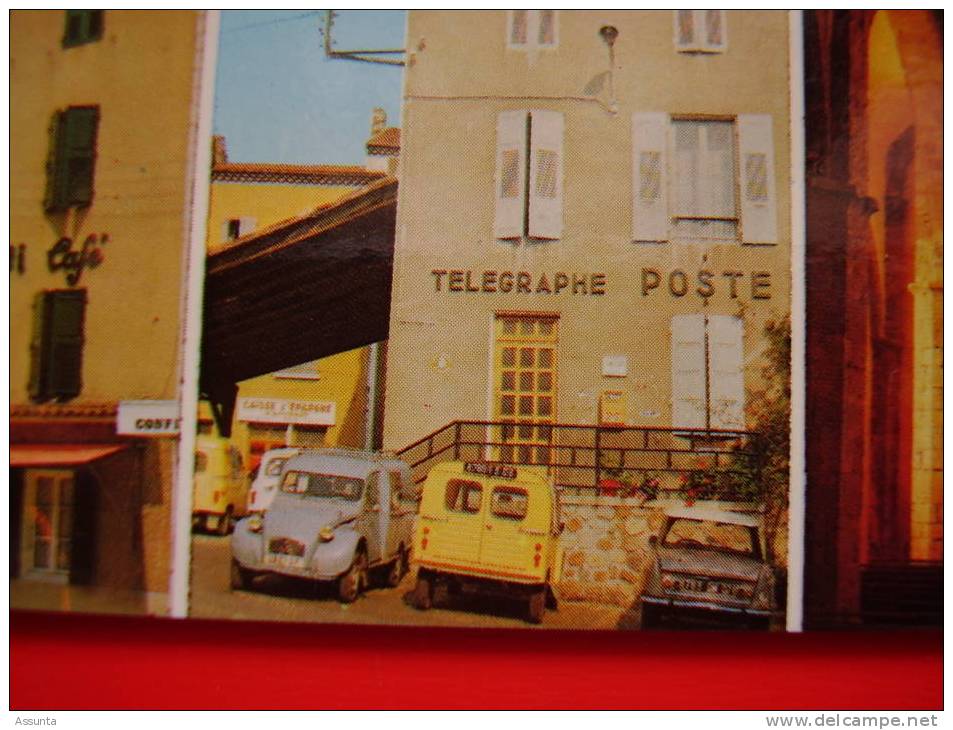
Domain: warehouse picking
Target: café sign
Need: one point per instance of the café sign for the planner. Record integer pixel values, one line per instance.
(148, 418)
(280, 410)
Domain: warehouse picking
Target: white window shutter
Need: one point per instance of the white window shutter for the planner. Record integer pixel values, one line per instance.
(688, 371)
(650, 216)
(685, 29)
(518, 30)
(726, 372)
(716, 30)
(547, 33)
(758, 197)
(546, 174)
(510, 185)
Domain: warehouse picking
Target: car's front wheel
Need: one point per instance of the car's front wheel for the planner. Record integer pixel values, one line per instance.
(241, 577)
(651, 616)
(423, 592)
(398, 569)
(537, 606)
(354, 580)
(225, 522)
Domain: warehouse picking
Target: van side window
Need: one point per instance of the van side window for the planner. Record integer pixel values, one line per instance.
(397, 496)
(463, 496)
(509, 503)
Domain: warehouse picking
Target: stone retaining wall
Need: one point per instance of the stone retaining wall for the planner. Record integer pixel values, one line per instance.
(606, 554)
(606, 548)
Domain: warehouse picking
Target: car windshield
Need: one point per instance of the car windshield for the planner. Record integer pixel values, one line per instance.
(323, 485)
(737, 539)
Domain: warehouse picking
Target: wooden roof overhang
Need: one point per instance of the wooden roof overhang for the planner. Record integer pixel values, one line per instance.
(297, 291)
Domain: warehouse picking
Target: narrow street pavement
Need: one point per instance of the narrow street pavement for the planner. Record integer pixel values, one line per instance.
(278, 599)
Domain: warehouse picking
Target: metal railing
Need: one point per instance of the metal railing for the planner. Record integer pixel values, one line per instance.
(588, 458)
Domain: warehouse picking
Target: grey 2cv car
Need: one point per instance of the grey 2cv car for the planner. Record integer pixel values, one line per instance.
(337, 514)
(709, 564)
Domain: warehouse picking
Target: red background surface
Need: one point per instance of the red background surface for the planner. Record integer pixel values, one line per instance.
(96, 662)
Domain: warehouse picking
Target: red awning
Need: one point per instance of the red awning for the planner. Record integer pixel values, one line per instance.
(59, 454)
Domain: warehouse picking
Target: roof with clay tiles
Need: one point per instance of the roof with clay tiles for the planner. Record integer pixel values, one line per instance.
(267, 172)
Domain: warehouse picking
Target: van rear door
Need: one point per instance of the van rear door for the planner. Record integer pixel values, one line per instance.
(513, 526)
(454, 529)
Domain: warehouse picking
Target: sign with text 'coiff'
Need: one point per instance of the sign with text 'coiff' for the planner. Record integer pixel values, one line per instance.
(148, 418)
(280, 410)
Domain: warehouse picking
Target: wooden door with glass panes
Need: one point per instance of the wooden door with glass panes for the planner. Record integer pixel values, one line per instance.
(524, 387)
(48, 526)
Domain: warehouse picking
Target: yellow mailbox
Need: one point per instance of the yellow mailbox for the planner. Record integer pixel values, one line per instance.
(613, 407)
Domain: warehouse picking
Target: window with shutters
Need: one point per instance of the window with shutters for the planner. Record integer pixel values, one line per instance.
(700, 31)
(531, 29)
(56, 357)
(72, 159)
(708, 372)
(82, 26)
(704, 205)
(529, 175)
(703, 179)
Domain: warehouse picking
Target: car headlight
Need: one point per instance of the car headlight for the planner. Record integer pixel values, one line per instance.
(255, 523)
(326, 534)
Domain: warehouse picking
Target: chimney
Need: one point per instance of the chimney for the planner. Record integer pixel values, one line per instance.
(219, 153)
(378, 120)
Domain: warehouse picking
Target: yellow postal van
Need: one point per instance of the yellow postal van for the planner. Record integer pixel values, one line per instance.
(492, 526)
(219, 485)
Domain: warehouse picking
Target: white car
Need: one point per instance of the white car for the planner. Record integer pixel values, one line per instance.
(710, 563)
(265, 485)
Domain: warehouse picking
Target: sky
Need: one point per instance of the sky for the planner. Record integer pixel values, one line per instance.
(278, 99)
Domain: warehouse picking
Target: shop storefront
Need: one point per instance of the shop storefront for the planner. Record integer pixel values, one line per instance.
(89, 511)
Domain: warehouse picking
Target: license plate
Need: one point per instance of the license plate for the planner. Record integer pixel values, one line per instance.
(291, 561)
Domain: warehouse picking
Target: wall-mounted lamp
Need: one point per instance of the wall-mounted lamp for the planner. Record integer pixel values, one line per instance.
(609, 33)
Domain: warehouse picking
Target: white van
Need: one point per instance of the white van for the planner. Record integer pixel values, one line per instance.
(265, 485)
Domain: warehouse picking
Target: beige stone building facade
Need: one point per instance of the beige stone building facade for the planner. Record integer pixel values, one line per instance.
(593, 221)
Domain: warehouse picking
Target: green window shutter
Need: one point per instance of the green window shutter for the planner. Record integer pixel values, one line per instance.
(82, 26)
(83, 555)
(94, 24)
(73, 33)
(39, 346)
(66, 343)
(72, 160)
(80, 147)
(56, 169)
